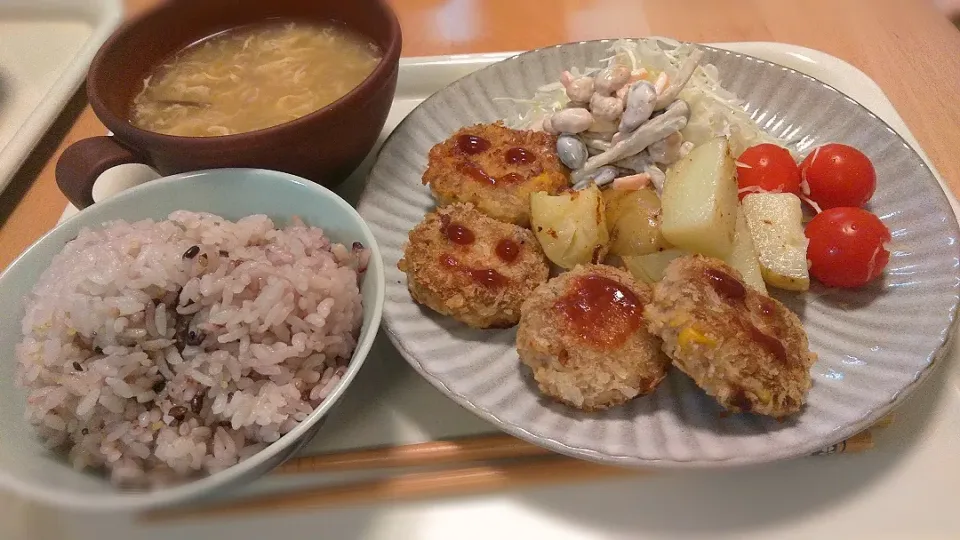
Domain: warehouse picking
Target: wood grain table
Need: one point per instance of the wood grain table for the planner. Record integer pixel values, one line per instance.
(907, 46)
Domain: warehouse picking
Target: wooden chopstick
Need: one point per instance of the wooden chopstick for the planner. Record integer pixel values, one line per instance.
(469, 480)
(472, 449)
(461, 481)
(884, 422)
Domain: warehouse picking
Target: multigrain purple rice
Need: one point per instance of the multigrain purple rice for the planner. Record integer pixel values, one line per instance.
(156, 366)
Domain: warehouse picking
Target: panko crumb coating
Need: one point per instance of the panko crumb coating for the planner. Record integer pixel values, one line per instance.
(496, 169)
(463, 264)
(740, 346)
(583, 336)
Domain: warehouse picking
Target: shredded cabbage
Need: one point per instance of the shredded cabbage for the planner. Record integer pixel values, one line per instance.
(714, 111)
(547, 99)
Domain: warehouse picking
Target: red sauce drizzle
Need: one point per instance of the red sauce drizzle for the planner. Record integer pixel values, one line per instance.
(770, 343)
(726, 285)
(483, 276)
(508, 250)
(730, 288)
(511, 177)
(767, 307)
(601, 311)
(520, 155)
(458, 234)
(477, 173)
(488, 277)
(471, 144)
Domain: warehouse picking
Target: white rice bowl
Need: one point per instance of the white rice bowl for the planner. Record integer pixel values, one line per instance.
(158, 361)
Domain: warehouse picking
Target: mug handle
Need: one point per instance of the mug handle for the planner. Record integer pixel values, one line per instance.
(84, 161)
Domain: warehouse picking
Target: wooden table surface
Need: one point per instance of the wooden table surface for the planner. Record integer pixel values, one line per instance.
(905, 45)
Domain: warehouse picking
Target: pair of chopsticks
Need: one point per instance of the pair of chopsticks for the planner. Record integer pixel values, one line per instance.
(472, 468)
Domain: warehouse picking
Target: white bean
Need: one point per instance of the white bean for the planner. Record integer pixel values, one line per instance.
(611, 79)
(605, 107)
(568, 121)
(579, 89)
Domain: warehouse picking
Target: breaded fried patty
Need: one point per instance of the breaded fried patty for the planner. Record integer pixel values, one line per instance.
(495, 168)
(471, 267)
(583, 336)
(742, 347)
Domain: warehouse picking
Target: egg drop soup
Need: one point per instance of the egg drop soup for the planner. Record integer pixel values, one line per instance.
(253, 77)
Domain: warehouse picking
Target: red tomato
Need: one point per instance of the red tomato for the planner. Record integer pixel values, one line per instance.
(847, 247)
(839, 175)
(767, 167)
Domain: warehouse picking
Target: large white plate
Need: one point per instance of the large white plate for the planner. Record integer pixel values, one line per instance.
(874, 344)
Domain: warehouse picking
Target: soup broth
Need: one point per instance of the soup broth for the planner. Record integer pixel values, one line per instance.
(253, 77)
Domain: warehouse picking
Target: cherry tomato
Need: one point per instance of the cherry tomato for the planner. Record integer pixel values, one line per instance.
(767, 167)
(847, 247)
(838, 175)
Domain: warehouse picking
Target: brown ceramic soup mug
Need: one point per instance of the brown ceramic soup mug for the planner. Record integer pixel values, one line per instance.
(324, 146)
